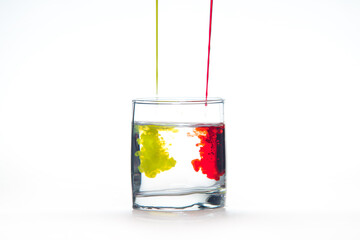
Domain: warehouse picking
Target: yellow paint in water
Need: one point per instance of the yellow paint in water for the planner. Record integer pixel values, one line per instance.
(153, 154)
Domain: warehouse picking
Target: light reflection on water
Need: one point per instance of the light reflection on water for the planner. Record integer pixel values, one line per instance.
(172, 216)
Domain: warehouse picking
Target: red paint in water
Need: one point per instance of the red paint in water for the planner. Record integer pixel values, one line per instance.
(208, 61)
(212, 155)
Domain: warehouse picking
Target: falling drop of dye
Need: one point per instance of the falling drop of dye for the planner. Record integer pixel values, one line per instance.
(157, 48)
(208, 61)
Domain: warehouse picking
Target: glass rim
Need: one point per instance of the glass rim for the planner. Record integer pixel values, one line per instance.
(175, 100)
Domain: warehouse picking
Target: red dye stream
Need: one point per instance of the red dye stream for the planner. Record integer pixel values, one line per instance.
(208, 61)
(212, 152)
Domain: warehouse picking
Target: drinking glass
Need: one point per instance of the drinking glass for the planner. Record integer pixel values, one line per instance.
(178, 154)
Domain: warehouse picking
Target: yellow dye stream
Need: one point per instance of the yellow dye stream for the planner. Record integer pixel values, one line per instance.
(157, 48)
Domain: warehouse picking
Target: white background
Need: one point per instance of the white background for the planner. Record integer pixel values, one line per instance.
(290, 74)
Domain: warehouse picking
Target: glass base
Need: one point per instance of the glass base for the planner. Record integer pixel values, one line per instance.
(188, 202)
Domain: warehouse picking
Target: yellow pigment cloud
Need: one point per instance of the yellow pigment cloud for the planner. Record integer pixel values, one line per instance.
(153, 154)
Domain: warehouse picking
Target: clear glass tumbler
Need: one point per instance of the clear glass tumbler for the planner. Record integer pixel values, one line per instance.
(178, 154)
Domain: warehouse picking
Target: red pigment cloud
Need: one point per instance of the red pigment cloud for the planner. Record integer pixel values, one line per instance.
(212, 155)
